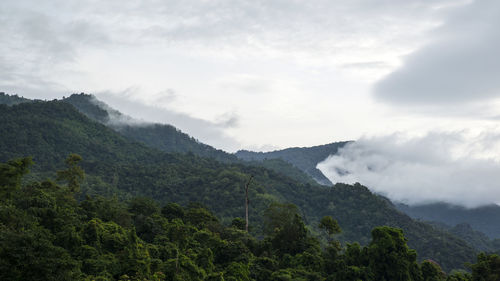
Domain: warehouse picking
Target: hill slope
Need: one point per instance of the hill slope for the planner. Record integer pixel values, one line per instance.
(11, 99)
(304, 158)
(484, 219)
(49, 131)
(161, 136)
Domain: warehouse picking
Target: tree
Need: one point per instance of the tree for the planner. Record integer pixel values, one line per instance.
(247, 201)
(173, 211)
(330, 225)
(239, 223)
(11, 174)
(487, 268)
(431, 271)
(73, 175)
(390, 257)
(286, 229)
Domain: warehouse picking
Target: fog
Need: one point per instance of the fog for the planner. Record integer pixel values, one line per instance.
(462, 168)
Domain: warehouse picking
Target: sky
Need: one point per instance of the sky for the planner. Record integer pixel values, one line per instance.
(269, 74)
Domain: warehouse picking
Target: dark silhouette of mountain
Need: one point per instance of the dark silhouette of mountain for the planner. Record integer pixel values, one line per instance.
(484, 219)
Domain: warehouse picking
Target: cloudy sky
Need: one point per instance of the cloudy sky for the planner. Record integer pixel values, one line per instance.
(267, 74)
(263, 74)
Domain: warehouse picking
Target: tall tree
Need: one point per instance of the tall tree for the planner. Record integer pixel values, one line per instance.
(247, 201)
(73, 175)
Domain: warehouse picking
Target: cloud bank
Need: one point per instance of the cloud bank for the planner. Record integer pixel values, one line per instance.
(460, 64)
(458, 167)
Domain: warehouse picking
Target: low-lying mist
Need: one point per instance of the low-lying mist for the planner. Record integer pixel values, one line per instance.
(453, 167)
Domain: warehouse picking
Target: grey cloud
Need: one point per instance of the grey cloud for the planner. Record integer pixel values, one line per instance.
(248, 84)
(228, 120)
(14, 80)
(41, 36)
(166, 96)
(438, 167)
(50, 37)
(36, 43)
(460, 64)
(321, 25)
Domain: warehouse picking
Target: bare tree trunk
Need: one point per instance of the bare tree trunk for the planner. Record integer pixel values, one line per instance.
(247, 202)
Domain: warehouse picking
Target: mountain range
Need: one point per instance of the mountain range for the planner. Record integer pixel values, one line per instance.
(161, 162)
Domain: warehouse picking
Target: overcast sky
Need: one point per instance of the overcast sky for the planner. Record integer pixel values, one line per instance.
(263, 74)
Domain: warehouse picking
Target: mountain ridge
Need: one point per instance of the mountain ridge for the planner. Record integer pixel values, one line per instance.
(49, 131)
(304, 158)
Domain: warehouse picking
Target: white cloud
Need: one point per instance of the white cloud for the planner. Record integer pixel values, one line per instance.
(455, 167)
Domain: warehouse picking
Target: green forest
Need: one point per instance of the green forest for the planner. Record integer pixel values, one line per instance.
(141, 211)
(47, 234)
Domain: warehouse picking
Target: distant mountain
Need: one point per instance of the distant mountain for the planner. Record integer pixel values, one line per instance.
(161, 136)
(11, 99)
(485, 219)
(304, 158)
(475, 238)
(49, 131)
(164, 137)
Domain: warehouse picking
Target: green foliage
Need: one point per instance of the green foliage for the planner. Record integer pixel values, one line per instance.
(11, 174)
(483, 219)
(330, 225)
(304, 158)
(45, 234)
(11, 99)
(116, 166)
(487, 268)
(73, 174)
(432, 271)
(390, 257)
(159, 136)
(173, 211)
(239, 223)
(288, 234)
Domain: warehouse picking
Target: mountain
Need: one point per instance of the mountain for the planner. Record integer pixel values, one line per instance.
(167, 138)
(483, 219)
(161, 136)
(50, 131)
(11, 99)
(475, 238)
(304, 158)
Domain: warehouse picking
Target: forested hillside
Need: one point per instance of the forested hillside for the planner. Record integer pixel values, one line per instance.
(484, 219)
(11, 99)
(46, 234)
(160, 136)
(304, 158)
(167, 138)
(49, 131)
